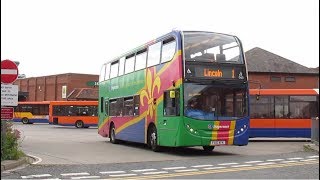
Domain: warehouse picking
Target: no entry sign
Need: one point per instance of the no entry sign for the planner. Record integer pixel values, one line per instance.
(9, 71)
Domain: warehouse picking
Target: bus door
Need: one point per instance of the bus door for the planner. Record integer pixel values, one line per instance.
(168, 121)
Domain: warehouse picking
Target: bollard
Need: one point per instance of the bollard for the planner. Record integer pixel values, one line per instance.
(315, 130)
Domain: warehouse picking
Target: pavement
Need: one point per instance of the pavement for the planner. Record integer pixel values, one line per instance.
(12, 164)
(312, 146)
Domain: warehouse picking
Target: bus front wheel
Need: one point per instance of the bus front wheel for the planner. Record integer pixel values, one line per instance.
(153, 139)
(25, 120)
(79, 124)
(112, 135)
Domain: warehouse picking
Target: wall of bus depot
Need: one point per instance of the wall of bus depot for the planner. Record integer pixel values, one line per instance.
(49, 88)
(302, 81)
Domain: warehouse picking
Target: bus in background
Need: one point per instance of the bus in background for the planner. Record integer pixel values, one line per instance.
(80, 114)
(29, 112)
(282, 112)
(144, 94)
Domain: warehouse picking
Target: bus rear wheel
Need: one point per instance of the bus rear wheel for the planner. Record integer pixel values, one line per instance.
(79, 124)
(25, 120)
(153, 139)
(208, 148)
(112, 135)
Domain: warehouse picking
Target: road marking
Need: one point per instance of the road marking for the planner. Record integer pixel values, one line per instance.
(200, 166)
(121, 175)
(186, 170)
(308, 160)
(112, 172)
(171, 168)
(268, 163)
(86, 177)
(312, 156)
(224, 164)
(210, 168)
(273, 160)
(38, 160)
(143, 170)
(244, 165)
(288, 161)
(75, 174)
(296, 158)
(254, 162)
(152, 173)
(171, 175)
(37, 176)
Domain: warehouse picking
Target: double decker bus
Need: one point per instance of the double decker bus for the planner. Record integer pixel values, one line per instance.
(283, 112)
(29, 112)
(80, 114)
(146, 94)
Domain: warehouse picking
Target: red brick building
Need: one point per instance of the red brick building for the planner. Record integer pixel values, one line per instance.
(57, 87)
(275, 72)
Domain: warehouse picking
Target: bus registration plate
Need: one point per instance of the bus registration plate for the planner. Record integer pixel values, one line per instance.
(214, 143)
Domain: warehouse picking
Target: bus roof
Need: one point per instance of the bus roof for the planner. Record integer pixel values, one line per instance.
(284, 91)
(143, 46)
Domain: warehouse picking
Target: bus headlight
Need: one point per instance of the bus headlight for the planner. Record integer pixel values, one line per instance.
(191, 129)
(242, 129)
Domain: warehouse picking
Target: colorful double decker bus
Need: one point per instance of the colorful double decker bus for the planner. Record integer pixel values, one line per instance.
(183, 89)
(29, 112)
(283, 112)
(80, 114)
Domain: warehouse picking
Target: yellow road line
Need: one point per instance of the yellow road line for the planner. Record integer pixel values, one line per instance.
(222, 170)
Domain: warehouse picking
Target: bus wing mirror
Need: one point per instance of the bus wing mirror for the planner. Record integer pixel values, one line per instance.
(257, 97)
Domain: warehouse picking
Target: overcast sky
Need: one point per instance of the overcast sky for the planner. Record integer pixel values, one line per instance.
(52, 37)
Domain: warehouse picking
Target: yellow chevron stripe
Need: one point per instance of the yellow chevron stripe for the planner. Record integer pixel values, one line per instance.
(104, 122)
(231, 132)
(133, 121)
(178, 53)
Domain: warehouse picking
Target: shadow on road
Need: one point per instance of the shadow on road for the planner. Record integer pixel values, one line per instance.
(177, 151)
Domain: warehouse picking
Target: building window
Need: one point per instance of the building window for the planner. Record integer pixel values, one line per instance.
(290, 79)
(275, 78)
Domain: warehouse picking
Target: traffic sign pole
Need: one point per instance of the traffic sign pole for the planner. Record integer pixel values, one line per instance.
(9, 73)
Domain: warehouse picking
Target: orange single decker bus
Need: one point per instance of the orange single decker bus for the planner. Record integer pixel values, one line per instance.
(282, 112)
(80, 114)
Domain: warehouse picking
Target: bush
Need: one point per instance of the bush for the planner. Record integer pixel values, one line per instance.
(10, 142)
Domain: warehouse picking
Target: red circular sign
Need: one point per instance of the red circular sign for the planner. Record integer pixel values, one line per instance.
(9, 71)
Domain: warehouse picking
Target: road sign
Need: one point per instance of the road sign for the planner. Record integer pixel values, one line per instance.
(9, 95)
(9, 71)
(7, 113)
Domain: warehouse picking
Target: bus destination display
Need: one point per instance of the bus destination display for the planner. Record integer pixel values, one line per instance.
(198, 71)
